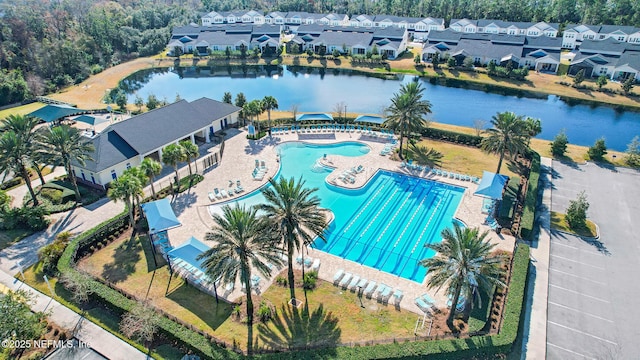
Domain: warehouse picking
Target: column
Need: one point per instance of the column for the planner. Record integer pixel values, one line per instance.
(193, 138)
(160, 154)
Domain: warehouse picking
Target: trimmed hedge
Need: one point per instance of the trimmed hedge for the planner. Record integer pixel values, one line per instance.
(485, 347)
(452, 136)
(531, 199)
(122, 304)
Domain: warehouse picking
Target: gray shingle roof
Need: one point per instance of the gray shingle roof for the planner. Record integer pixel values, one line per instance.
(149, 131)
(486, 48)
(543, 42)
(110, 149)
(446, 35)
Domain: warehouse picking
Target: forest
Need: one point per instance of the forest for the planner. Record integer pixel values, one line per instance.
(46, 45)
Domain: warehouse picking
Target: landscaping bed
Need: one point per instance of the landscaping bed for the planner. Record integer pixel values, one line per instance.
(59, 196)
(559, 222)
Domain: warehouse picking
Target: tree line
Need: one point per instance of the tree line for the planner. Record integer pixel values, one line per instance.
(47, 45)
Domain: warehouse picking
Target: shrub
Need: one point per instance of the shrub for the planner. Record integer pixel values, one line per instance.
(26, 217)
(264, 312)
(531, 198)
(559, 144)
(9, 184)
(632, 157)
(281, 280)
(577, 212)
(598, 150)
(452, 136)
(310, 280)
(5, 201)
(50, 254)
(54, 195)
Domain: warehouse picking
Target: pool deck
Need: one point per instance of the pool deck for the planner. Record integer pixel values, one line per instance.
(238, 162)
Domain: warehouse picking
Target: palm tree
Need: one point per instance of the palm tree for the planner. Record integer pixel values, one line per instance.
(463, 263)
(172, 155)
(295, 210)
(16, 147)
(509, 134)
(425, 156)
(142, 177)
(64, 144)
(533, 126)
(151, 168)
(126, 188)
(243, 240)
(269, 103)
(407, 111)
(191, 152)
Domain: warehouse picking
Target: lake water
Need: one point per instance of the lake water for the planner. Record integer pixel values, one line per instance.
(318, 91)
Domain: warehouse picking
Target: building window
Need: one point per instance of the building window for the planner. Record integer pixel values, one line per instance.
(620, 38)
(93, 180)
(603, 70)
(128, 166)
(113, 175)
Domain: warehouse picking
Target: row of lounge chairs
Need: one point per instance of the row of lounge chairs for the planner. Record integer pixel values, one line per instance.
(433, 171)
(313, 264)
(493, 224)
(331, 128)
(370, 289)
(222, 193)
(161, 242)
(195, 276)
(260, 170)
(350, 174)
(388, 149)
(425, 302)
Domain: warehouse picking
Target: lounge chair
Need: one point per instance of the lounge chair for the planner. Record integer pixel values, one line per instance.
(384, 292)
(354, 282)
(308, 262)
(223, 193)
(299, 260)
(398, 295)
(370, 289)
(359, 169)
(217, 193)
(316, 265)
(345, 280)
(424, 306)
(212, 196)
(339, 274)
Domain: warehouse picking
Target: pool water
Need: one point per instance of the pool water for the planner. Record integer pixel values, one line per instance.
(384, 225)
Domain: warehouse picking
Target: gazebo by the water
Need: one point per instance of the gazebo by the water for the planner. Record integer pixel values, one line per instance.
(370, 119)
(160, 216)
(51, 112)
(314, 116)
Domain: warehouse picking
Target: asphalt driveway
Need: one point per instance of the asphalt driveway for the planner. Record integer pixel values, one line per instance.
(593, 310)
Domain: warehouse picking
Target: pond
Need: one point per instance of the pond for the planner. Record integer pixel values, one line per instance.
(316, 90)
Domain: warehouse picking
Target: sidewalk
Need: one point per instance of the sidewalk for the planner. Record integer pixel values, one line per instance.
(534, 342)
(94, 336)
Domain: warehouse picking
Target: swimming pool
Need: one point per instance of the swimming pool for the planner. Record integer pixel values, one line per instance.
(384, 225)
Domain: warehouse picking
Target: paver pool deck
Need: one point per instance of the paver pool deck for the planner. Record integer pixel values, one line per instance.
(238, 162)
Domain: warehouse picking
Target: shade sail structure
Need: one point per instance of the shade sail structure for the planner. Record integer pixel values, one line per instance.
(314, 116)
(491, 185)
(91, 120)
(50, 113)
(189, 252)
(160, 216)
(371, 119)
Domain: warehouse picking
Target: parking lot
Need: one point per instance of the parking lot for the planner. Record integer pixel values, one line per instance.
(593, 284)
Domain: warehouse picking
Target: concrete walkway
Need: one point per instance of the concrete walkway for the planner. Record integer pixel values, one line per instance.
(534, 343)
(91, 334)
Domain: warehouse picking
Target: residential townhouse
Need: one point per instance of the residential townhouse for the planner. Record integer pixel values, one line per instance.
(390, 41)
(487, 26)
(540, 53)
(609, 57)
(575, 34)
(218, 37)
(233, 17)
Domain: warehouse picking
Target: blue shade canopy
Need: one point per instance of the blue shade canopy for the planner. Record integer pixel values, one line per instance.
(491, 185)
(314, 116)
(91, 120)
(372, 119)
(160, 216)
(189, 252)
(50, 113)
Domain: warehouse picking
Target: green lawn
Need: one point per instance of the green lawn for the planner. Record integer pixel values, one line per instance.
(21, 110)
(10, 237)
(332, 315)
(559, 222)
(510, 195)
